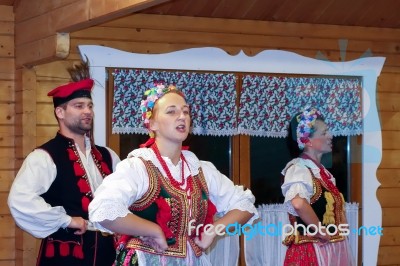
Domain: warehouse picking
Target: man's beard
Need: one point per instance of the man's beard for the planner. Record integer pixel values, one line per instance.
(81, 128)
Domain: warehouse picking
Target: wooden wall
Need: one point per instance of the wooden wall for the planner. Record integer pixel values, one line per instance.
(7, 143)
(158, 34)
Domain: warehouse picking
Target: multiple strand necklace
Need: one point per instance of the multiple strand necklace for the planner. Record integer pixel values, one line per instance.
(172, 180)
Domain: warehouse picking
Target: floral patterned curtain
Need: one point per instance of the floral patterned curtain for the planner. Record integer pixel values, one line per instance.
(267, 103)
(211, 96)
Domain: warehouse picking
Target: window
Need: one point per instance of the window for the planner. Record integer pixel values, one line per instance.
(255, 162)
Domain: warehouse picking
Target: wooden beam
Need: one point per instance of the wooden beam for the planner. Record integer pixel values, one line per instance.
(6, 2)
(43, 51)
(101, 11)
(43, 38)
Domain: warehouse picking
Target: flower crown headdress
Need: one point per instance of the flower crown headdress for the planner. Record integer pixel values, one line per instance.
(151, 95)
(306, 121)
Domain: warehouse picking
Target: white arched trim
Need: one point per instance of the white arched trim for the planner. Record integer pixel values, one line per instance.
(270, 61)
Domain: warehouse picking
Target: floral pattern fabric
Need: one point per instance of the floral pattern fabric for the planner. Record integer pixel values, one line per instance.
(211, 97)
(267, 103)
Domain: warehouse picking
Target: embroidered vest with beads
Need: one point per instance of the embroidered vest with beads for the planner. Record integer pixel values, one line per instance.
(63, 247)
(66, 180)
(329, 209)
(178, 202)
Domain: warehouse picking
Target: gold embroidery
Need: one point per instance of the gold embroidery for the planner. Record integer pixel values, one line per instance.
(181, 213)
(334, 208)
(152, 192)
(329, 216)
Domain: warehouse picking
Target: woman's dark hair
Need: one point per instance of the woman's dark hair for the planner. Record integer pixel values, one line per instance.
(292, 144)
(291, 140)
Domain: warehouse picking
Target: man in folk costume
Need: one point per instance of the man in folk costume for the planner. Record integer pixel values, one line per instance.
(51, 193)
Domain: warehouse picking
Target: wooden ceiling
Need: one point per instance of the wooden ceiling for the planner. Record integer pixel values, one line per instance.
(367, 13)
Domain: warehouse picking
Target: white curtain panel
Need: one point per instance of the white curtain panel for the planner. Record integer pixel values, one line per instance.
(268, 250)
(224, 251)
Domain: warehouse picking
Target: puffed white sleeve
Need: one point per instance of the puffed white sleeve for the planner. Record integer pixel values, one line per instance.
(29, 210)
(225, 195)
(298, 181)
(118, 191)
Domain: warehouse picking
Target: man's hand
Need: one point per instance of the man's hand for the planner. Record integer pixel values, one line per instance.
(78, 223)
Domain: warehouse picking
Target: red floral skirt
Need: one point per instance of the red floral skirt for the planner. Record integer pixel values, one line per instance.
(301, 255)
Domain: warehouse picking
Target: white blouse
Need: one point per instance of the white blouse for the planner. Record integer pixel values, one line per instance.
(38, 171)
(298, 181)
(130, 181)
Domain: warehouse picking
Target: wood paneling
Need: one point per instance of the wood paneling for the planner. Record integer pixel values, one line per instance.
(7, 2)
(390, 159)
(252, 27)
(45, 114)
(390, 121)
(389, 140)
(389, 82)
(143, 34)
(6, 28)
(40, 51)
(389, 101)
(6, 227)
(338, 12)
(7, 250)
(7, 138)
(6, 13)
(30, 9)
(389, 177)
(390, 236)
(6, 68)
(6, 178)
(391, 217)
(388, 255)
(3, 204)
(44, 37)
(7, 91)
(389, 197)
(48, 130)
(232, 39)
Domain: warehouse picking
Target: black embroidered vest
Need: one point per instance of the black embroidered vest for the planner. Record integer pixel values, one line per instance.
(329, 210)
(179, 209)
(64, 191)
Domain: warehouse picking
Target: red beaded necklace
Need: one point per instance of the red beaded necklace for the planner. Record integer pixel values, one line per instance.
(324, 176)
(175, 183)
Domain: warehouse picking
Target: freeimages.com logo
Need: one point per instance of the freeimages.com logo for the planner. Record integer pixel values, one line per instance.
(280, 229)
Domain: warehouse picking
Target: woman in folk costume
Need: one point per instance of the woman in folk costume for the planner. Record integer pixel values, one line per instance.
(312, 198)
(159, 189)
